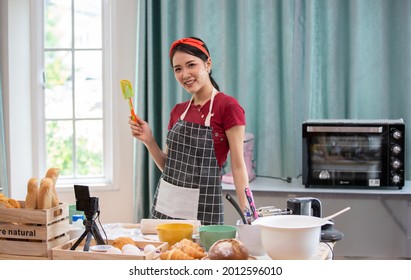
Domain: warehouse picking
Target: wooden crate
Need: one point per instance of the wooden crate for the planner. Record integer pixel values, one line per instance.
(63, 252)
(32, 233)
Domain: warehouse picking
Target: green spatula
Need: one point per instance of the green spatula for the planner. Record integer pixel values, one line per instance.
(128, 93)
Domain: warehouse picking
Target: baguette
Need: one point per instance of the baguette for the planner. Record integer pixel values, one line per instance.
(53, 173)
(32, 193)
(45, 196)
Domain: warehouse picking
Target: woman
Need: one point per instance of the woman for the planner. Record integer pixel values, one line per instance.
(201, 133)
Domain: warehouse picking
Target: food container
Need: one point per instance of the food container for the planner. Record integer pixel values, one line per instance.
(288, 237)
(32, 233)
(174, 232)
(212, 233)
(63, 252)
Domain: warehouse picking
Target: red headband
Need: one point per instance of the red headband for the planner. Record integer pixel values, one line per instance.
(189, 41)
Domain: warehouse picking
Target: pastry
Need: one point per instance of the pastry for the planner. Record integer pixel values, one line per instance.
(45, 195)
(228, 249)
(175, 254)
(121, 241)
(53, 174)
(190, 248)
(32, 193)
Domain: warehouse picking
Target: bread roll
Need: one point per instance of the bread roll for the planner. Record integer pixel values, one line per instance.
(32, 193)
(53, 173)
(45, 196)
(228, 249)
(121, 241)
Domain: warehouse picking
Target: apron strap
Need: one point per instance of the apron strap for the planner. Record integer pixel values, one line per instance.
(209, 115)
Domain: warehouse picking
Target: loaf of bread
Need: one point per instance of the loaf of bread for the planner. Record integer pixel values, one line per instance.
(121, 241)
(228, 249)
(45, 194)
(32, 193)
(53, 174)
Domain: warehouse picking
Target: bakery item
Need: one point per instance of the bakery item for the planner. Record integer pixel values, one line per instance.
(121, 241)
(14, 203)
(53, 174)
(190, 248)
(6, 202)
(175, 254)
(32, 193)
(228, 249)
(45, 195)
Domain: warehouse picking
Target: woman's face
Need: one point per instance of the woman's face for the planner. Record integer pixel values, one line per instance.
(191, 72)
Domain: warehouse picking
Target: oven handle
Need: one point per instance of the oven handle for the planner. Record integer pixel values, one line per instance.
(357, 129)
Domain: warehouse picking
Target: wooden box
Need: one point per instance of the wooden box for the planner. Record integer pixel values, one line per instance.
(63, 252)
(32, 233)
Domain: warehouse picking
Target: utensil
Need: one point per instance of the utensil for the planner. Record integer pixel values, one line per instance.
(250, 199)
(288, 237)
(212, 233)
(337, 214)
(174, 232)
(237, 207)
(128, 93)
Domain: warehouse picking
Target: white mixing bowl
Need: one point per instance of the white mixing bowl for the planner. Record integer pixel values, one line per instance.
(290, 237)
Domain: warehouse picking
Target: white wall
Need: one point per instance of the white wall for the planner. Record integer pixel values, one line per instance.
(116, 205)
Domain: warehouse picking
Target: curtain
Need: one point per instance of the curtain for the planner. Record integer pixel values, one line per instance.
(3, 152)
(285, 61)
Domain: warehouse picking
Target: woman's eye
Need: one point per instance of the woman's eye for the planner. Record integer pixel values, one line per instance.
(191, 65)
(176, 70)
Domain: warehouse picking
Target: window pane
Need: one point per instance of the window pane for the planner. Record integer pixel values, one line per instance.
(88, 83)
(59, 143)
(58, 91)
(89, 144)
(57, 24)
(87, 24)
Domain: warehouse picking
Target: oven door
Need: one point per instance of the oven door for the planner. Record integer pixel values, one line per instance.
(345, 155)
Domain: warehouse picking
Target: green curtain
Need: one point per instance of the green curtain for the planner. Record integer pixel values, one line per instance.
(285, 61)
(3, 152)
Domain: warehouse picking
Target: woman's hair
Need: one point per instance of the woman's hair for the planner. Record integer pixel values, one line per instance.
(186, 48)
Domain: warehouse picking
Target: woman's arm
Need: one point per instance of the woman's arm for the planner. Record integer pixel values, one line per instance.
(235, 136)
(142, 132)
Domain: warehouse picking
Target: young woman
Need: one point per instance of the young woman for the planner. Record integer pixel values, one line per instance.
(201, 133)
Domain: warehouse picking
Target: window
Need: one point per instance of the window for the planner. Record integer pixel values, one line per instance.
(75, 122)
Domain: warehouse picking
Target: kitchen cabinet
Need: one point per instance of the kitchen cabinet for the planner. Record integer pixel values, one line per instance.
(378, 226)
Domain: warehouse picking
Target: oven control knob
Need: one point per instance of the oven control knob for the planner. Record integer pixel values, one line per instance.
(397, 134)
(396, 163)
(396, 149)
(396, 178)
(324, 175)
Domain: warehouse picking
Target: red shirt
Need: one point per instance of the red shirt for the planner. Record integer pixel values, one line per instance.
(227, 113)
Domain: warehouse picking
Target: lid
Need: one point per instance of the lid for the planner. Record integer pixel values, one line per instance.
(77, 217)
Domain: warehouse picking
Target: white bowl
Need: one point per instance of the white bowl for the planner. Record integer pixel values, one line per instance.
(290, 237)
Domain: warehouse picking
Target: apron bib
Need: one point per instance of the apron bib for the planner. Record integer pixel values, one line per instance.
(190, 186)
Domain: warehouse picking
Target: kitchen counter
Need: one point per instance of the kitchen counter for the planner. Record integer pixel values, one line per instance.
(378, 226)
(295, 186)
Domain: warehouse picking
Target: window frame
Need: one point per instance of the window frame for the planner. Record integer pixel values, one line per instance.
(38, 101)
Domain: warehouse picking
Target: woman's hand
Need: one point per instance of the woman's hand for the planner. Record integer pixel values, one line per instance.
(141, 130)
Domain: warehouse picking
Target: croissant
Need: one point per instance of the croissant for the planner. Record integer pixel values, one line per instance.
(192, 244)
(175, 254)
(190, 250)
